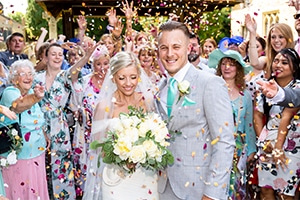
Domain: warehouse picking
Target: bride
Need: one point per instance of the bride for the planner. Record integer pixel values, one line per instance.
(125, 85)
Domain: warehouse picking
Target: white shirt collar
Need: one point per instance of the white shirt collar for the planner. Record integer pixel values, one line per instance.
(179, 76)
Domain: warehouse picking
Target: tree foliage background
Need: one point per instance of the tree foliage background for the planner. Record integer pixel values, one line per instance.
(215, 24)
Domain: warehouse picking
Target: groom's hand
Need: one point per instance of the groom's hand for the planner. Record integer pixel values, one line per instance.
(268, 88)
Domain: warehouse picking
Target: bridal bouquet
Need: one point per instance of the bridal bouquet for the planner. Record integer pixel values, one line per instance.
(136, 139)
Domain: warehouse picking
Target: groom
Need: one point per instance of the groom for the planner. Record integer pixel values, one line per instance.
(203, 151)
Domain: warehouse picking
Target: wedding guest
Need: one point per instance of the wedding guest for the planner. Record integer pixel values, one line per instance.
(208, 46)
(147, 57)
(58, 85)
(231, 69)
(29, 182)
(86, 100)
(113, 45)
(204, 149)
(278, 137)
(16, 44)
(255, 74)
(280, 36)
(194, 55)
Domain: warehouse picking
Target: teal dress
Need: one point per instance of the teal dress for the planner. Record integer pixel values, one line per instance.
(32, 122)
(245, 139)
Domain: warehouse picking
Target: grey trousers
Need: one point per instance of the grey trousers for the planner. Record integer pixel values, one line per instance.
(168, 193)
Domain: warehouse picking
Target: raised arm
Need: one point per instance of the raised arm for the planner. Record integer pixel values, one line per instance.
(255, 61)
(129, 12)
(75, 69)
(24, 103)
(82, 24)
(41, 39)
(286, 97)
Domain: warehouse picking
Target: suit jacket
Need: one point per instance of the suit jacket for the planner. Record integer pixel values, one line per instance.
(201, 167)
(291, 98)
(8, 58)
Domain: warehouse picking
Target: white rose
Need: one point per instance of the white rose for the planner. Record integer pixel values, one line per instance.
(116, 125)
(151, 148)
(12, 158)
(132, 134)
(122, 148)
(14, 132)
(137, 154)
(135, 120)
(144, 128)
(127, 122)
(3, 162)
(183, 87)
(161, 135)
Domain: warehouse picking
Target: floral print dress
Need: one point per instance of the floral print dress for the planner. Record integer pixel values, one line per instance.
(87, 98)
(61, 163)
(283, 181)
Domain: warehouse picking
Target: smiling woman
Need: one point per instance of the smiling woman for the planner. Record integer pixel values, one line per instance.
(22, 99)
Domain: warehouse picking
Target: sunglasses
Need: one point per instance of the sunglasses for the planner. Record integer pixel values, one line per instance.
(296, 16)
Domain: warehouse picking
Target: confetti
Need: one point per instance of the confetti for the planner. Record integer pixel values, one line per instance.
(186, 184)
(215, 141)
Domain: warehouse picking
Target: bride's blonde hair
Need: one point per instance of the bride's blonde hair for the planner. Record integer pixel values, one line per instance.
(122, 60)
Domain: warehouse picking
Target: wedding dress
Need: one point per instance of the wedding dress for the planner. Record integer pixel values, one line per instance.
(108, 182)
(140, 185)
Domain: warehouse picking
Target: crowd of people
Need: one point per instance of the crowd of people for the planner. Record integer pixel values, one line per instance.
(237, 117)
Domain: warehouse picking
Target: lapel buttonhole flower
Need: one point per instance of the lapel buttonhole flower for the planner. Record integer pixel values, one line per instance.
(184, 89)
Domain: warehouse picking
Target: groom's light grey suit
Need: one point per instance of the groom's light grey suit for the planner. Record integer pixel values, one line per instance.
(200, 167)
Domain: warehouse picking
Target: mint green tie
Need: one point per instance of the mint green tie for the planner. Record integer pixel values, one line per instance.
(171, 95)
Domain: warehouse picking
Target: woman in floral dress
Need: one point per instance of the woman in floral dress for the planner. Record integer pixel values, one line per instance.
(59, 84)
(86, 100)
(278, 142)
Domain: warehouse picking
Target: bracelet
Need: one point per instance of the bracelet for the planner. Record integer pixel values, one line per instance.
(116, 38)
(110, 27)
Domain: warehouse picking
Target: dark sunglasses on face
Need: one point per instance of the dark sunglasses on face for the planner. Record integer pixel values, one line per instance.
(296, 16)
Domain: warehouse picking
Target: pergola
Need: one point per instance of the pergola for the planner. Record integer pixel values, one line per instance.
(67, 9)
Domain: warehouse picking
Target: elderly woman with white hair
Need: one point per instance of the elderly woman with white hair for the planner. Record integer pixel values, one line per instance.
(26, 179)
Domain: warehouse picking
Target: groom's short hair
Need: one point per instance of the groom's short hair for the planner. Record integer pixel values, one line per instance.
(174, 25)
